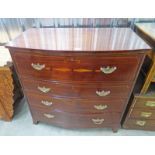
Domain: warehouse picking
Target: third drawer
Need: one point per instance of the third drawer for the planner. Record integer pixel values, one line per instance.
(75, 105)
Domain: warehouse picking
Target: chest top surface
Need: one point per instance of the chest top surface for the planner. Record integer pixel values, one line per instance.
(148, 29)
(79, 39)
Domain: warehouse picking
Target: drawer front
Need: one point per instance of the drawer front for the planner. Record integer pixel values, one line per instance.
(67, 120)
(77, 68)
(142, 114)
(140, 124)
(145, 103)
(75, 105)
(87, 90)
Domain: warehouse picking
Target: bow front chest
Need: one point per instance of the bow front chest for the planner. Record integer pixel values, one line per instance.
(78, 77)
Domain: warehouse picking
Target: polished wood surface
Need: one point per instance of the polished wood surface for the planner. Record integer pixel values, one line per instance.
(83, 90)
(77, 68)
(79, 39)
(142, 114)
(67, 120)
(82, 106)
(142, 100)
(80, 72)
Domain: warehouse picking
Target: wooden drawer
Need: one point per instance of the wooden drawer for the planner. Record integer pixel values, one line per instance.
(86, 90)
(142, 114)
(144, 102)
(67, 120)
(77, 68)
(140, 124)
(75, 105)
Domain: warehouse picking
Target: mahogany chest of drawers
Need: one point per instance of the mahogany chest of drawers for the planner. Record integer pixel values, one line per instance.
(78, 77)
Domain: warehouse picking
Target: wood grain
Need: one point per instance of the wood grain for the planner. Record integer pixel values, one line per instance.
(79, 40)
(6, 93)
(76, 105)
(77, 68)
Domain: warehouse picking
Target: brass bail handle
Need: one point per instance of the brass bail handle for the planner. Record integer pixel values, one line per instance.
(44, 89)
(100, 107)
(108, 69)
(103, 93)
(38, 66)
(98, 120)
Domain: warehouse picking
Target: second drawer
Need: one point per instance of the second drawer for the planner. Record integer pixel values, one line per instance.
(86, 90)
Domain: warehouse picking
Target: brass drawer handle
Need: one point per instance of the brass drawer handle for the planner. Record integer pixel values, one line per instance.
(150, 104)
(146, 114)
(103, 93)
(44, 89)
(38, 66)
(100, 107)
(108, 69)
(140, 123)
(46, 103)
(98, 120)
(49, 115)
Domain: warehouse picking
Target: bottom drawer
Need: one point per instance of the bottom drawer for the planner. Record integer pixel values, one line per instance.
(139, 124)
(68, 120)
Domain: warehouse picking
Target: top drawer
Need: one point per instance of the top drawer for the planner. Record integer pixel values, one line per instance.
(77, 68)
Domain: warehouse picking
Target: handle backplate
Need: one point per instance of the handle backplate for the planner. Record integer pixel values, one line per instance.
(140, 123)
(49, 115)
(46, 103)
(108, 69)
(150, 104)
(146, 114)
(38, 66)
(97, 120)
(100, 107)
(103, 93)
(44, 89)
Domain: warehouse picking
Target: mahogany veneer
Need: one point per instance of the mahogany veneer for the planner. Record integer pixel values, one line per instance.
(78, 77)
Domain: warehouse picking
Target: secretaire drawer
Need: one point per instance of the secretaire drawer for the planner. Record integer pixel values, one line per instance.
(76, 105)
(85, 90)
(77, 68)
(74, 120)
(142, 113)
(144, 102)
